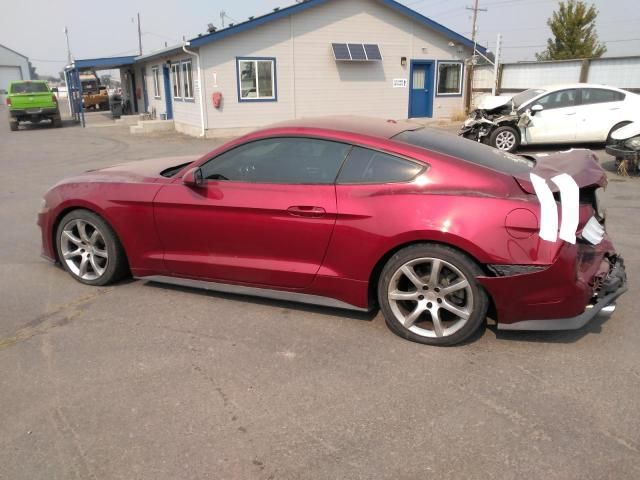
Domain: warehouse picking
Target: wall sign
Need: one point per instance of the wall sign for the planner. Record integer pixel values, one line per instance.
(399, 83)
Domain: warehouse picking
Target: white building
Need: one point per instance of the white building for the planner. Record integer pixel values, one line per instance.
(13, 66)
(319, 57)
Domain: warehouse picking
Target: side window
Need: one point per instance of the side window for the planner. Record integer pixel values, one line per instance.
(560, 99)
(600, 95)
(279, 160)
(369, 166)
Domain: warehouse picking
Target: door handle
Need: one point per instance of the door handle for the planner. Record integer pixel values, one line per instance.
(306, 211)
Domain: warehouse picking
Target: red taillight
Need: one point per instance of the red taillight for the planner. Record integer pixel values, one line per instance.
(8, 101)
(54, 99)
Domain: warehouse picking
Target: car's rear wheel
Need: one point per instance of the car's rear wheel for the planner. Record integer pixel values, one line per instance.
(505, 138)
(89, 249)
(13, 126)
(57, 121)
(429, 294)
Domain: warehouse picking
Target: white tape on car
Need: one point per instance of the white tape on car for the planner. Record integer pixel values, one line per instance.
(570, 201)
(548, 209)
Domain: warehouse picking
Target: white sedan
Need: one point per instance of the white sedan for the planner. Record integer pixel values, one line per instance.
(575, 113)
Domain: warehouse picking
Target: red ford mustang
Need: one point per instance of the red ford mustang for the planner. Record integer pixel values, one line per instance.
(438, 231)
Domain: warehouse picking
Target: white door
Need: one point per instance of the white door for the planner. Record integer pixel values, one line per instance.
(600, 109)
(556, 123)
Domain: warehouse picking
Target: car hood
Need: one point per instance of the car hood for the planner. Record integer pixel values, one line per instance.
(581, 164)
(626, 132)
(141, 170)
(491, 102)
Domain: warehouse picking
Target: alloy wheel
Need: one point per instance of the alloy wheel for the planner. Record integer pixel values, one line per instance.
(84, 249)
(505, 140)
(430, 297)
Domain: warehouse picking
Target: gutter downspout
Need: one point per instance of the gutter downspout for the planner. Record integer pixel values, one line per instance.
(200, 86)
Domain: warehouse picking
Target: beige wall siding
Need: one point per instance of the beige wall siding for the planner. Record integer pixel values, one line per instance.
(310, 82)
(185, 111)
(219, 63)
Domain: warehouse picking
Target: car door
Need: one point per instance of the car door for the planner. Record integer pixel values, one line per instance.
(556, 123)
(600, 109)
(264, 215)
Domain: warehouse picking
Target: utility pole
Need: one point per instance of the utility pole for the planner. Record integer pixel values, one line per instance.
(66, 33)
(496, 65)
(139, 35)
(474, 31)
(222, 15)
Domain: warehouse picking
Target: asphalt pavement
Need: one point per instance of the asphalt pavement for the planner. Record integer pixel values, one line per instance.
(142, 381)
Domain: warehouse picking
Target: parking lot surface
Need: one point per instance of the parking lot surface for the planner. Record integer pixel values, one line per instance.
(142, 381)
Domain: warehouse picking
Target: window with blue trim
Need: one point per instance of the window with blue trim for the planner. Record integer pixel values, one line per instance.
(256, 79)
(449, 78)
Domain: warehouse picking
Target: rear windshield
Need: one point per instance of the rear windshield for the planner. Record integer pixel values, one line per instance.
(29, 87)
(468, 150)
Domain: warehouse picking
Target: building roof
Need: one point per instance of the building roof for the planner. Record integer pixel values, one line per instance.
(299, 7)
(105, 63)
(13, 51)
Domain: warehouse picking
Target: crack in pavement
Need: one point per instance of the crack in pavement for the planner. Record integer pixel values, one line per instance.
(58, 317)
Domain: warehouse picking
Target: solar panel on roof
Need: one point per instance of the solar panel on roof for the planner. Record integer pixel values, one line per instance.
(373, 52)
(340, 51)
(357, 51)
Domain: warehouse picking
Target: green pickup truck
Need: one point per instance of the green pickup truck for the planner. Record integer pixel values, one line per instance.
(32, 101)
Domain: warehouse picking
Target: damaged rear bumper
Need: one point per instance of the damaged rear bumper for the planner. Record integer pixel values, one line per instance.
(612, 287)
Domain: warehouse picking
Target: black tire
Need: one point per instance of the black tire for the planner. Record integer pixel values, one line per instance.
(57, 122)
(13, 126)
(116, 267)
(499, 133)
(465, 265)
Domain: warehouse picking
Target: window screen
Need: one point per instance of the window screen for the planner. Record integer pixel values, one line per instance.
(370, 166)
(449, 78)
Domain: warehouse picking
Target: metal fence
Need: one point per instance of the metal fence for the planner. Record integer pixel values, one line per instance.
(622, 72)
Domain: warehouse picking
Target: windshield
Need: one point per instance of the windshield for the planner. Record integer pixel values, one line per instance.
(467, 150)
(29, 87)
(524, 97)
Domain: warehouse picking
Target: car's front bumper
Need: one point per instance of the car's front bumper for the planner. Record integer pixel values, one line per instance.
(622, 152)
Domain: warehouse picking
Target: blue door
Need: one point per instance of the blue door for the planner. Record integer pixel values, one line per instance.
(167, 91)
(421, 89)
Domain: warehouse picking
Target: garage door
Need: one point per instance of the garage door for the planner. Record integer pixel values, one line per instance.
(9, 74)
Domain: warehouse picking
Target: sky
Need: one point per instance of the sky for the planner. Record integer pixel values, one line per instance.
(107, 28)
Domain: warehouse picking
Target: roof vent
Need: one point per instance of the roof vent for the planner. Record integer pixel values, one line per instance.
(211, 28)
(231, 24)
(276, 9)
(251, 18)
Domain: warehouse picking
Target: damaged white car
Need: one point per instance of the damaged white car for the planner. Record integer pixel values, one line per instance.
(576, 113)
(624, 145)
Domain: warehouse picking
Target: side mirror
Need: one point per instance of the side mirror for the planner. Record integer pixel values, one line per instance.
(54, 89)
(536, 108)
(193, 178)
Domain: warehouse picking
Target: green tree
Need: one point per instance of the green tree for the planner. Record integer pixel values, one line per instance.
(573, 27)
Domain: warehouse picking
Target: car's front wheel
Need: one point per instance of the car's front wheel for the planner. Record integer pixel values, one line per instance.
(89, 249)
(429, 294)
(505, 138)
